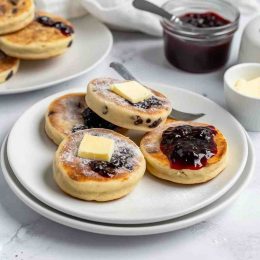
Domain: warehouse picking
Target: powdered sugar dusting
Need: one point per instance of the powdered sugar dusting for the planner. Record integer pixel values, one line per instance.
(66, 112)
(152, 147)
(74, 106)
(102, 87)
(68, 156)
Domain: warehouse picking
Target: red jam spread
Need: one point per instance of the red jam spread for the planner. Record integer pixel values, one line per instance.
(148, 103)
(62, 27)
(108, 169)
(204, 20)
(200, 54)
(92, 120)
(188, 147)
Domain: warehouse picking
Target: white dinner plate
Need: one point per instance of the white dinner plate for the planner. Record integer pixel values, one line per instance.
(30, 153)
(129, 230)
(93, 41)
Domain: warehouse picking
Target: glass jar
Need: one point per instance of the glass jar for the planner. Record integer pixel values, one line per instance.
(199, 50)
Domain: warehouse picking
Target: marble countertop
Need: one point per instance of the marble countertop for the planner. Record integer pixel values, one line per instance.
(232, 234)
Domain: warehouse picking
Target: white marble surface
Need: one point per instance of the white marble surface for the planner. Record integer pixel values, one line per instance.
(233, 234)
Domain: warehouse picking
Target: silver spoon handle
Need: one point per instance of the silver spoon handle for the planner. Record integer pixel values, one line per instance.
(152, 8)
(122, 71)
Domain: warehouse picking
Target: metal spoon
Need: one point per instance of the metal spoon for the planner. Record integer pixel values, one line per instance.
(175, 114)
(152, 8)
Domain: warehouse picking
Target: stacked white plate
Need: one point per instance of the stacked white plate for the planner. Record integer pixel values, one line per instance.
(155, 206)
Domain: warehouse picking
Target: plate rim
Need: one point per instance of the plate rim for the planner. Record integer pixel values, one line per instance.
(94, 217)
(117, 230)
(65, 79)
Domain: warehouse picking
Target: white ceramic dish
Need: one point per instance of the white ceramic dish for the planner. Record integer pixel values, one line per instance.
(244, 108)
(129, 230)
(30, 154)
(93, 41)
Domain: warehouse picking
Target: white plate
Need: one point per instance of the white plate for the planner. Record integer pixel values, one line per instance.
(93, 41)
(30, 154)
(131, 230)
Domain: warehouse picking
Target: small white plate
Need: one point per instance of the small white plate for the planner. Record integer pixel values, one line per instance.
(93, 42)
(30, 154)
(131, 230)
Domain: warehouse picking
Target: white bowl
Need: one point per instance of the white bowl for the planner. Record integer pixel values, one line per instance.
(250, 42)
(246, 109)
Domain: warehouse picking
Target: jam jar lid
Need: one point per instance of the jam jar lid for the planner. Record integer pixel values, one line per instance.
(219, 7)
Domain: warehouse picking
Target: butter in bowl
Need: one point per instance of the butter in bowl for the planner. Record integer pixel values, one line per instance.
(242, 94)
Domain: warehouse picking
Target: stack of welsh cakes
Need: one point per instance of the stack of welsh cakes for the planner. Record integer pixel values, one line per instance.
(30, 35)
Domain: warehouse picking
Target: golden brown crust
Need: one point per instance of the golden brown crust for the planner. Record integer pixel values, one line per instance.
(10, 9)
(36, 41)
(6, 62)
(36, 33)
(8, 67)
(66, 111)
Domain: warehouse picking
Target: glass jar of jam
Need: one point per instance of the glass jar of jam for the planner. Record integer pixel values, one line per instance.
(199, 37)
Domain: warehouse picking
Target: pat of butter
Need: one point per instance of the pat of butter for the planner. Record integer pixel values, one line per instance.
(96, 148)
(131, 91)
(249, 88)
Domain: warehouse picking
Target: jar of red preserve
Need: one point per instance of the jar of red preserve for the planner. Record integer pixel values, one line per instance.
(198, 39)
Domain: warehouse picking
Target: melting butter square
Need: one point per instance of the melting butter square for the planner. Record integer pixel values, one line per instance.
(131, 91)
(96, 148)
